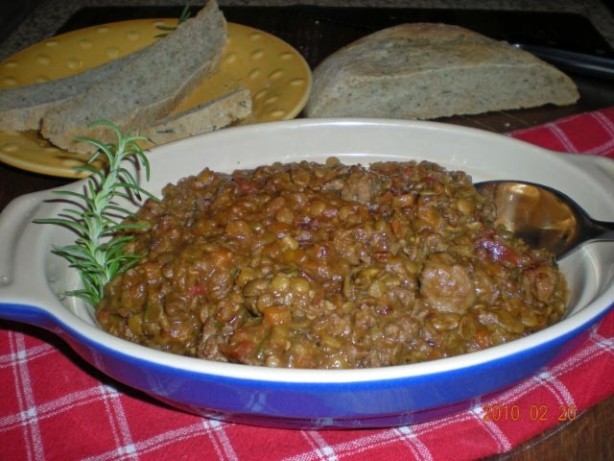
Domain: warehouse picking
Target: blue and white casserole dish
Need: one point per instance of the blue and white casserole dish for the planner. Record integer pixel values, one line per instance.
(32, 279)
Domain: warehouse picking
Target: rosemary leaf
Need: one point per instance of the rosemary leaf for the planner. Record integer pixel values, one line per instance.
(183, 17)
(94, 215)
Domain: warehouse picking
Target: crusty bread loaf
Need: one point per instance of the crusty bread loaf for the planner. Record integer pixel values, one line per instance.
(146, 90)
(23, 108)
(210, 116)
(426, 71)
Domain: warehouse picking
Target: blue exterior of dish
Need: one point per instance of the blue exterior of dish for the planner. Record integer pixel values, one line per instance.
(370, 404)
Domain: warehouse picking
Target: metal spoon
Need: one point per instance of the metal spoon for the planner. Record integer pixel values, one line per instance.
(544, 217)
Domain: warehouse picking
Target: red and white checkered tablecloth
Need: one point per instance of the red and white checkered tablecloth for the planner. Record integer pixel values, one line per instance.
(53, 406)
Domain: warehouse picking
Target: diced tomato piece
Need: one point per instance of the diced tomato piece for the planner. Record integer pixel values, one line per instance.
(498, 251)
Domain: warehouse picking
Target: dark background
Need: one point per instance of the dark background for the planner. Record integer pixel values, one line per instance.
(13, 12)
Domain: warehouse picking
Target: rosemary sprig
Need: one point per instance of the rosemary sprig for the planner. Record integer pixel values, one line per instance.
(185, 15)
(98, 251)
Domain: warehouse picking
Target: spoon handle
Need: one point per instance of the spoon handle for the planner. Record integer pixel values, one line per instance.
(595, 66)
(600, 229)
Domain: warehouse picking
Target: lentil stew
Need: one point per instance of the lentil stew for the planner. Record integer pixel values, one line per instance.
(310, 265)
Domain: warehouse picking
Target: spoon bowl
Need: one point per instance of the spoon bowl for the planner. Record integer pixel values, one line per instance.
(543, 217)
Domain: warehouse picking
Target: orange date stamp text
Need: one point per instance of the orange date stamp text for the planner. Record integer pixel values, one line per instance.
(534, 412)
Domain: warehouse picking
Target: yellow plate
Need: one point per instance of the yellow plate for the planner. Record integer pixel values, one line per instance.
(277, 76)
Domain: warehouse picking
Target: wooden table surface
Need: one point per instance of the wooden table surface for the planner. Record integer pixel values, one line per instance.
(591, 435)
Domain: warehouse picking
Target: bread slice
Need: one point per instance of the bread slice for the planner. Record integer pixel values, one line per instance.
(148, 88)
(426, 71)
(226, 110)
(22, 108)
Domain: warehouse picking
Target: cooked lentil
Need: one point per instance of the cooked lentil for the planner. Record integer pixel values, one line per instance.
(311, 265)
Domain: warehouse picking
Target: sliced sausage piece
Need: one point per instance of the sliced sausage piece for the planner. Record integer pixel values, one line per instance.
(446, 285)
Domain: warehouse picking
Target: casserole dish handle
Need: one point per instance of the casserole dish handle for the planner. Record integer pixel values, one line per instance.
(22, 296)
